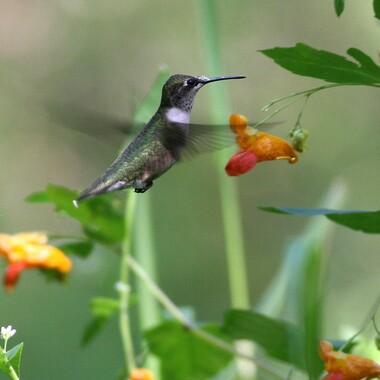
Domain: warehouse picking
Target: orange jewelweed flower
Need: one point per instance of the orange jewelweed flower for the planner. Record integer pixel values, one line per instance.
(141, 374)
(342, 366)
(30, 250)
(256, 146)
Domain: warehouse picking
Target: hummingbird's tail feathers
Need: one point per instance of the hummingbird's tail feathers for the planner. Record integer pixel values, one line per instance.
(99, 187)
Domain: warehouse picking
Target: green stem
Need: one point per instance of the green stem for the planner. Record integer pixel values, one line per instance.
(12, 373)
(170, 306)
(123, 285)
(370, 317)
(144, 252)
(312, 91)
(298, 121)
(375, 325)
(233, 231)
(156, 291)
(297, 96)
(148, 308)
(274, 113)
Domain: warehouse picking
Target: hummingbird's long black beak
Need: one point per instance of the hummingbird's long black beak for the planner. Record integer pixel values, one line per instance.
(206, 80)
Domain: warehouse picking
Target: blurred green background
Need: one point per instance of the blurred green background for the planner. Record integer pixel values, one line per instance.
(104, 56)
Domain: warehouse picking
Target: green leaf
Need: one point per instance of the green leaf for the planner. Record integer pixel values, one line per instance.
(366, 221)
(4, 365)
(14, 357)
(376, 8)
(275, 336)
(339, 7)
(308, 301)
(101, 217)
(92, 329)
(183, 354)
(296, 292)
(103, 310)
(377, 342)
(104, 307)
(79, 247)
(52, 275)
(307, 61)
(11, 358)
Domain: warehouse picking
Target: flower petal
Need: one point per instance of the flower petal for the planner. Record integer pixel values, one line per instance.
(12, 274)
(238, 123)
(141, 374)
(265, 147)
(28, 250)
(268, 147)
(343, 366)
(241, 163)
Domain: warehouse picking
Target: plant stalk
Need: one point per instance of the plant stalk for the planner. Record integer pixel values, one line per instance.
(170, 306)
(12, 373)
(123, 284)
(233, 231)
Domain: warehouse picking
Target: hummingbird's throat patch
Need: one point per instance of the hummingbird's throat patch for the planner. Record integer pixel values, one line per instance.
(177, 115)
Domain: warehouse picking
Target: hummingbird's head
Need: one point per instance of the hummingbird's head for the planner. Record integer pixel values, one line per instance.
(179, 90)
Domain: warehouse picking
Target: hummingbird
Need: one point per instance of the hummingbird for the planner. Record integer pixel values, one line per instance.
(160, 143)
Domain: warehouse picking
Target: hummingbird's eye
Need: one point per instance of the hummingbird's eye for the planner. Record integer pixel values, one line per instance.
(191, 82)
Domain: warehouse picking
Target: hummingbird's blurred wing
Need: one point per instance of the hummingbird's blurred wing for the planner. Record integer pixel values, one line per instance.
(195, 139)
(207, 138)
(186, 141)
(192, 139)
(201, 138)
(108, 129)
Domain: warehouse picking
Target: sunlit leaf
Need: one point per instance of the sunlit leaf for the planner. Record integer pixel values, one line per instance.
(306, 61)
(14, 357)
(11, 358)
(339, 7)
(275, 336)
(4, 365)
(376, 8)
(366, 221)
(185, 355)
(104, 307)
(101, 217)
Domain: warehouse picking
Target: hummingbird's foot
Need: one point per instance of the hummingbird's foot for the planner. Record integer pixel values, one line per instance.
(146, 186)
